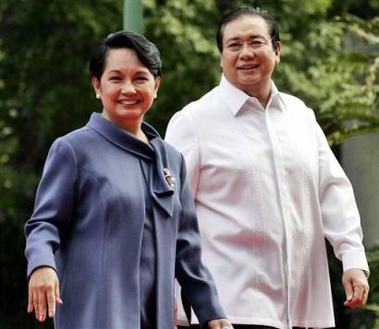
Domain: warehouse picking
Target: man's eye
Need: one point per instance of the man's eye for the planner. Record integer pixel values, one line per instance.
(235, 45)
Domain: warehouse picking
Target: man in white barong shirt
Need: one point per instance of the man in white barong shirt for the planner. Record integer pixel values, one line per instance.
(268, 190)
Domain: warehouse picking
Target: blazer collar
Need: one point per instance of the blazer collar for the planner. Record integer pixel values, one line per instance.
(161, 182)
(122, 138)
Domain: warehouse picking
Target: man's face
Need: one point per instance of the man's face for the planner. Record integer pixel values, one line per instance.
(248, 58)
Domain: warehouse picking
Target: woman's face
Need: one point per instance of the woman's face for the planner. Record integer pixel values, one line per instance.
(127, 89)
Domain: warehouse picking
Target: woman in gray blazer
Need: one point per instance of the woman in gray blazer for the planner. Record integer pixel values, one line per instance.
(114, 221)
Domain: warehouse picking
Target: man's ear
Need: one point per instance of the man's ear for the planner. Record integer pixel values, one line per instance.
(277, 52)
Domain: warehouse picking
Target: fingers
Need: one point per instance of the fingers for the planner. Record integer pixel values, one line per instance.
(51, 302)
(356, 288)
(220, 324)
(357, 298)
(30, 302)
(43, 293)
(37, 304)
(53, 299)
(40, 306)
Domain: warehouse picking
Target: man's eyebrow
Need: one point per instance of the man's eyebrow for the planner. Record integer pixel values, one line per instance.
(253, 36)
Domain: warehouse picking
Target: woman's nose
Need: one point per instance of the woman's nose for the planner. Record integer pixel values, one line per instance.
(128, 87)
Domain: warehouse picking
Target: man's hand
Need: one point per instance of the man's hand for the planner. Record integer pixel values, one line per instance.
(43, 293)
(356, 288)
(220, 324)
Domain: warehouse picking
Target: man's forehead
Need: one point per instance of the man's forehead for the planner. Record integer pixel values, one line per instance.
(255, 26)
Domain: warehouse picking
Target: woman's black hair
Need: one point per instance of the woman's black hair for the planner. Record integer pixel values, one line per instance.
(146, 51)
(246, 11)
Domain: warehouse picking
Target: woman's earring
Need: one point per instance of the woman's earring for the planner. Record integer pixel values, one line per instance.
(97, 96)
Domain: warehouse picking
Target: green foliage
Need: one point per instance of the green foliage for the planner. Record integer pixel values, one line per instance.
(363, 318)
(373, 303)
(339, 81)
(351, 77)
(373, 259)
(45, 91)
(190, 58)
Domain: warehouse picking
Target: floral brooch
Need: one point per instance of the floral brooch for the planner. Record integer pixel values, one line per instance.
(169, 179)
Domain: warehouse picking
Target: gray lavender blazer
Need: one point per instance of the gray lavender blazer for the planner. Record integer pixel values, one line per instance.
(88, 224)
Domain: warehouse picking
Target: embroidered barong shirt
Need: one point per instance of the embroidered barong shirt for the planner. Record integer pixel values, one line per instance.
(268, 191)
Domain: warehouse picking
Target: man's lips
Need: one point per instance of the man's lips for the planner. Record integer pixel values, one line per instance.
(248, 67)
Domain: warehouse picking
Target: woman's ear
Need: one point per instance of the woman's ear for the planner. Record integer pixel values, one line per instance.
(157, 84)
(96, 86)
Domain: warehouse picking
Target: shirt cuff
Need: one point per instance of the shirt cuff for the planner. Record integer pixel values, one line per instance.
(357, 260)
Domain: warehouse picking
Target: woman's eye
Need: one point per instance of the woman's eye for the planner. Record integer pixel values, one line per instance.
(141, 79)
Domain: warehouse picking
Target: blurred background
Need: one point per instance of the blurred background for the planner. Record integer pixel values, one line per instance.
(330, 59)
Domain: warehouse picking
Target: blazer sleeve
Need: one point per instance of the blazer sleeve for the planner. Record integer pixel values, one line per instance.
(193, 276)
(53, 206)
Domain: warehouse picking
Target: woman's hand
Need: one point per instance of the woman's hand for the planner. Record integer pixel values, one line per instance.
(220, 324)
(43, 293)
